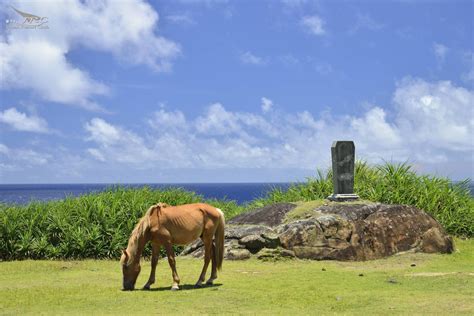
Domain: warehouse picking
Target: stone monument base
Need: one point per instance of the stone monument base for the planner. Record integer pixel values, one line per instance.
(343, 197)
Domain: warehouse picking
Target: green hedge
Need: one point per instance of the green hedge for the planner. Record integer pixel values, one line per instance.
(98, 225)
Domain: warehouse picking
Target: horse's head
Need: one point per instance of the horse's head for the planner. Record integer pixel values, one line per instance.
(130, 271)
(161, 205)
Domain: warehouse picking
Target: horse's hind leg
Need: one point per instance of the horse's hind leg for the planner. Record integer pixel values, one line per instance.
(214, 266)
(172, 262)
(154, 261)
(207, 257)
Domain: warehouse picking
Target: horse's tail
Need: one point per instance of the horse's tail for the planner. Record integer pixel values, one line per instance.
(219, 240)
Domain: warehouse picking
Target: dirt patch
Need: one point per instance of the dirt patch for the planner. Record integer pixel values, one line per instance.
(436, 274)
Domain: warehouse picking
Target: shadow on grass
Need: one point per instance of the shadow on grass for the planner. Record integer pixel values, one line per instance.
(184, 287)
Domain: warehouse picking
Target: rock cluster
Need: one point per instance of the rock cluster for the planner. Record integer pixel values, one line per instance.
(339, 231)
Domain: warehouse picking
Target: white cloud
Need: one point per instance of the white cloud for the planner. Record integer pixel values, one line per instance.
(373, 127)
(289, 60)
(440, 52)
(324, 68)
(42, 164)
(468, 60)
(306, 120)
(22, 122)
(251, 59)
(97, 154)
(313, 24)
(294, 3)
(168, 121)
(103, 132)
(365, 21)
(267, 104)
(181, 19)
(422, 126)
(126, 29)
(429, 124)
(4, 149)
(53, 79)
(19, 158)
(436, 115)
(218, 121)
(204, 2)
(116, 143)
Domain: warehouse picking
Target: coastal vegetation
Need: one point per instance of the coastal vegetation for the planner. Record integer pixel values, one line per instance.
(98, 225)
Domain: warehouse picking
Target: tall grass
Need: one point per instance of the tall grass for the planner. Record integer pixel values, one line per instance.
(96, 225)
(450, 203)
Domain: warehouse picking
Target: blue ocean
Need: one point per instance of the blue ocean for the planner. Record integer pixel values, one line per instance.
(240, 192)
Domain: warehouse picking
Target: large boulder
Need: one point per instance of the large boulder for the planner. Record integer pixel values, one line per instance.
(271, 215)
(332, 230)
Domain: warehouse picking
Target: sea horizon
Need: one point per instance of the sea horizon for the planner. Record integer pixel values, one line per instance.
(241, 192)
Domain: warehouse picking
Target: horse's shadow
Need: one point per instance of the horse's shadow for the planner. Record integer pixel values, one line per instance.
(184, 287)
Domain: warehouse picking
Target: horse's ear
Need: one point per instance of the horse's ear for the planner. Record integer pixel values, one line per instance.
(124, 251)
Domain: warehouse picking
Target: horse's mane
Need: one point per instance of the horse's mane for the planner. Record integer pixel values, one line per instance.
(138, 232)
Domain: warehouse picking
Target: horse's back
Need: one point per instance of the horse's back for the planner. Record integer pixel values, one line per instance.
(192, 210)
(187, 222)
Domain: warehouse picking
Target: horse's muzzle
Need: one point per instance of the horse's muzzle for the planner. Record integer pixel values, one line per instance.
(128, 287)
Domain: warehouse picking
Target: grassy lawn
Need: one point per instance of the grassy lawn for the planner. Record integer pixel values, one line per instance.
(437, 284)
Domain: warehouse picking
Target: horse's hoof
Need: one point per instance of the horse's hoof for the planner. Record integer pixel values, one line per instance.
(146, 287)
(197, 285)
(174, 288)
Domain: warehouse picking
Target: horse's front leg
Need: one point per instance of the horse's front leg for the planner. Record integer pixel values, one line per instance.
(154, 261)
(172, 262)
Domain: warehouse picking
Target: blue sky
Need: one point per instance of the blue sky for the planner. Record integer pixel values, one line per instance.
(232, 91)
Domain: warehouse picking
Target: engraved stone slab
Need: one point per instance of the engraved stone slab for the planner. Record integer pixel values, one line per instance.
(343, 161)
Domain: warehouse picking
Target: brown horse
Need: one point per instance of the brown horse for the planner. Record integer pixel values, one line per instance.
(166, 226)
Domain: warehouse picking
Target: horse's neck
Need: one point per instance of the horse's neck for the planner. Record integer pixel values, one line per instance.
(136, 247)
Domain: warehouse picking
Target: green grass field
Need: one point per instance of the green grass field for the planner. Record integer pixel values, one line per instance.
(438, 284)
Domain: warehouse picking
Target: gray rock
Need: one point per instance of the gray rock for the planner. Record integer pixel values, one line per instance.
(240, 231)
(253, 242)
(237, 254)
(267, 254)
(192, 247)
(272, 240)
(338, 231)
(270, 215)
(378, 231)
(197, 253)
(233, 244)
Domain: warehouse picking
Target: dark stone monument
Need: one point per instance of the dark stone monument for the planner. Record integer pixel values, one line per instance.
(343, 159)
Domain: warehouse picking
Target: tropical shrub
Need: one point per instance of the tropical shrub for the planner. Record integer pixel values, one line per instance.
(96, 225)
(450, 203)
